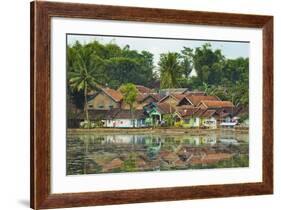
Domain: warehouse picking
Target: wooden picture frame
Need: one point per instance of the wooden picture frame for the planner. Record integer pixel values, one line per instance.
(41, 14)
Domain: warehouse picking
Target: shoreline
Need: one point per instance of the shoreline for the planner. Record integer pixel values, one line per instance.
(153, 130)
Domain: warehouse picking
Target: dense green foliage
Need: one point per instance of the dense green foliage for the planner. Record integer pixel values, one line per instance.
(170, 70)
(82, 69)
(129, 92)
(215, 74)
(203, 68)
(113, 65)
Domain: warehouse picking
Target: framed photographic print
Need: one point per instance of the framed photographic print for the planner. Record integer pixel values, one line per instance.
(136, 105)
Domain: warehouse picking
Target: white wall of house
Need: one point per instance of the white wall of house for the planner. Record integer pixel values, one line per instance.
(210, 122)
(120, 123)
(196, 122)
(124, 123)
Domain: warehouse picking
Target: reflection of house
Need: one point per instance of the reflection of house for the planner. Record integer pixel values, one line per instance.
(119, 118)
(105, 99)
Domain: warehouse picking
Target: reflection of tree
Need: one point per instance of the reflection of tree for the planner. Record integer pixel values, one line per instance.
(90, 154)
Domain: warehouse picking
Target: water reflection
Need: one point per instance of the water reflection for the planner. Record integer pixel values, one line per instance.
(109, 152)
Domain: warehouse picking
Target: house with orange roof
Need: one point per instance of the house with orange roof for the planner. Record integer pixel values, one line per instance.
(142, 100)
(195, 117)
(190, 99)
(121, 118)
(224, 110)
(208, 119)
(155, 112)
(216, 104)
(195, 100)
(105, 99)
(185, 117)
(173, 99)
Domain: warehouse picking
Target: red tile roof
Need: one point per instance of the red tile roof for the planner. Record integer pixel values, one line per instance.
(114, 94)
(194, 93)
(208, 113)
(143, 89)
(217, 104)
(199, 112)
(196, 99)
(187, 111)
(195, 111)
(143, 96)
(165, 108)
(176, 96)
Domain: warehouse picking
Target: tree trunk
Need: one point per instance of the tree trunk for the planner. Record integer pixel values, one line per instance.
(86, 103)
(170, 114)
(132, 115)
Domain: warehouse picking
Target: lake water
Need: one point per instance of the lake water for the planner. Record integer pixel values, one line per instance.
(133, 152)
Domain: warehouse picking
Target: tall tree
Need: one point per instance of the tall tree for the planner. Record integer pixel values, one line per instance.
(82, 64)
(208, 63)
(129, 92)
(170, 70)
(187, 61)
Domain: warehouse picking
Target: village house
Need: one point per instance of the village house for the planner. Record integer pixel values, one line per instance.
(188, 109)
(208, 119)
(120, 118)
(216, 104)
(172, 99)
(105, 99)
(156, 111)
(142, 100)
(185, 117)
(224, 111)
(194, 117)
(97, 117)
(190, 99)
(194, 100)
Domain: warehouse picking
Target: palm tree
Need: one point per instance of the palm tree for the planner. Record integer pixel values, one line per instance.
(129, 92)
(81, 76)
(170, 71)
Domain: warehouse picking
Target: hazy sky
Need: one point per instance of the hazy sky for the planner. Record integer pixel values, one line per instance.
(158, 46)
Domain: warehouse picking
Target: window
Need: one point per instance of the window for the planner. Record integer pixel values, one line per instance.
(187, 121)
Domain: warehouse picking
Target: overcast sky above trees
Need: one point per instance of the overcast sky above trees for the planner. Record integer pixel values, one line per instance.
(230, 50)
